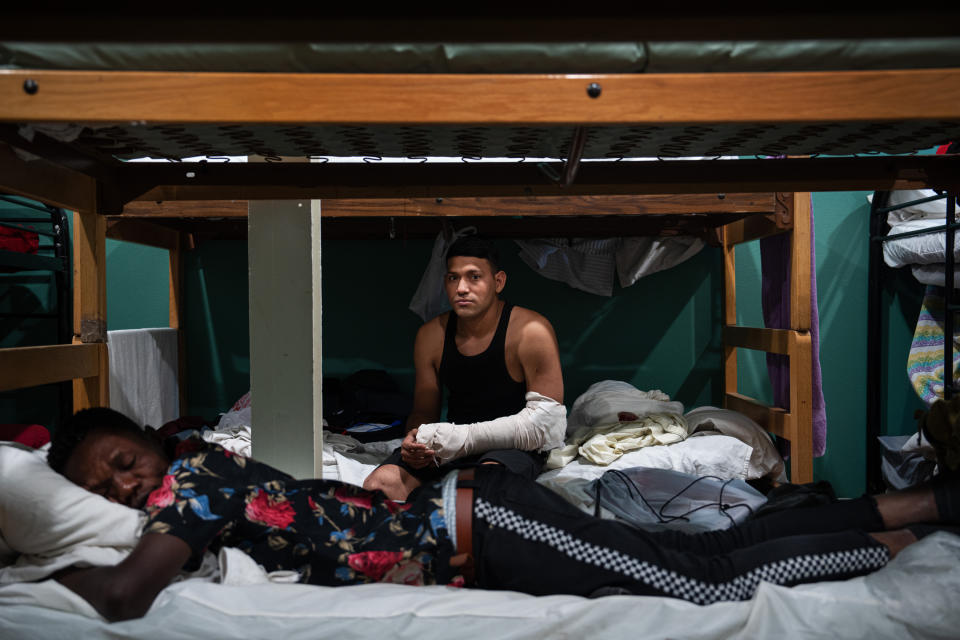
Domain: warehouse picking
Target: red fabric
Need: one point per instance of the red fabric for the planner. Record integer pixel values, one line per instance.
(242, 403)
(183, 423)
(32, 435)
(19, 240)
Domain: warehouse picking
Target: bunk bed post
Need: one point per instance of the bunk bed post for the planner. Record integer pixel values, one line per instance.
(285, 371)
(800, 428)
(729, 310)
(90, 304)
(176, 292)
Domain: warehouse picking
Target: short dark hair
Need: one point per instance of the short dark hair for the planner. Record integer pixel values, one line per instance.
(68, 436)
(475, 247)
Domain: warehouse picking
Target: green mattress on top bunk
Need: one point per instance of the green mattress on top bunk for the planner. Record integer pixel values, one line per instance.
(417, 57)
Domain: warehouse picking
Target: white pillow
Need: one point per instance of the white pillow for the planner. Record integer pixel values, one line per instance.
(43, 513)
(932, 209)
(924, 249)
(765, 461)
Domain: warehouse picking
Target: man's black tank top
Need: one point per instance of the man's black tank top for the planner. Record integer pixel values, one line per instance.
(480, 387)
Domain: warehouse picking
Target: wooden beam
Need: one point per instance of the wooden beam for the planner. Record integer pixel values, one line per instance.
(728, 253)
(800, 432)
(22, 367)
(146, 208)
(90, 304)
(800, 267)
(759, 339)
(752, 228)
(89, 277)
(45, 182)
(94, 390)
(609, 205)
(159, 97)
(435, 207)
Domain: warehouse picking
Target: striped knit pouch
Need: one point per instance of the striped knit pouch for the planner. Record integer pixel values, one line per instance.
(925, 362)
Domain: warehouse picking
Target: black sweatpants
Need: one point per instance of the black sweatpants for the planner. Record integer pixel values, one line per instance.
(527, 538)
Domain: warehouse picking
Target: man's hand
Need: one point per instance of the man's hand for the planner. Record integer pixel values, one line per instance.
(415, 454)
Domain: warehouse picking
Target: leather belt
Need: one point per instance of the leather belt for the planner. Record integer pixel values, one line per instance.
(465, 524)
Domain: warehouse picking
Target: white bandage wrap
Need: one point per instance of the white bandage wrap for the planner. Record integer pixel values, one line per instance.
(541, 425)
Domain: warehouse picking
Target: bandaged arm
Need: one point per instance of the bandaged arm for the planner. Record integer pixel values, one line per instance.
(541, 425)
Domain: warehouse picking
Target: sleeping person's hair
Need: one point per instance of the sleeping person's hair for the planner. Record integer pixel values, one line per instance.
(71, 433)
(475, 247)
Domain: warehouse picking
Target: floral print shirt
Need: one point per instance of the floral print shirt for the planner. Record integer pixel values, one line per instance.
(328, 532)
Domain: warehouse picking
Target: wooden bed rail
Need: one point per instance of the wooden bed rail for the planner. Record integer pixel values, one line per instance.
(773, 419)
(22, 367)
(769, 340)
(157, 97)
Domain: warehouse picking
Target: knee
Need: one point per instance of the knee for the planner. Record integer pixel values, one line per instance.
(374, 481)
(390, 484)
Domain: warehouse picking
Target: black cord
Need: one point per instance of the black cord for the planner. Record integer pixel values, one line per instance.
(660, 514)
(631, 488)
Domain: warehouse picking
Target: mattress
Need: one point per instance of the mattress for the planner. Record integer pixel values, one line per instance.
(500, 57)
(673, 140)
(912, 597)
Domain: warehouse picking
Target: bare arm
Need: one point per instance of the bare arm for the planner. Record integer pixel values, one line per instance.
(128, 589)
(540, 358)
(426, 387)
(426, 393)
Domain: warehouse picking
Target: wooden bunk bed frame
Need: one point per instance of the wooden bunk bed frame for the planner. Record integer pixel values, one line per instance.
(94, 189)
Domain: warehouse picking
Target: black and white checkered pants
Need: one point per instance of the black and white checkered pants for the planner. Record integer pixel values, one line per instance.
(527, 538)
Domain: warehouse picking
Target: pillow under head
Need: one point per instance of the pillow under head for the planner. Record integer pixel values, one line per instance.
(43, 513)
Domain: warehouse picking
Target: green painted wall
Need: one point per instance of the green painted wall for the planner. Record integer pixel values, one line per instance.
(137, 279)
(367, 286)
(217, 326)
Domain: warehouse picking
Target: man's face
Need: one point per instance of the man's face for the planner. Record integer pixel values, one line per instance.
(471, 285)
(121, 468)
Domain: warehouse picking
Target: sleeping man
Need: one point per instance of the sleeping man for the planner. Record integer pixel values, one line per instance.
(501, 366)
(483, 527)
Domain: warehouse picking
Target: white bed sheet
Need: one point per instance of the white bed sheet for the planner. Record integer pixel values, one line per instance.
(914, 596)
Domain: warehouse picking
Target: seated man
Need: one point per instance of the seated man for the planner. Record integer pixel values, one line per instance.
(513, 534)
(501, 366)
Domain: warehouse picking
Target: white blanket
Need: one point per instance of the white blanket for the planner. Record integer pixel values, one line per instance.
(914, 596)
